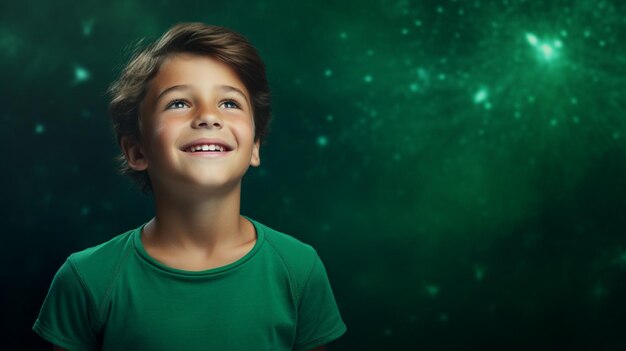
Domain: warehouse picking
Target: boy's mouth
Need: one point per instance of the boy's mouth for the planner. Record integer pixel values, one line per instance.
(206, 145)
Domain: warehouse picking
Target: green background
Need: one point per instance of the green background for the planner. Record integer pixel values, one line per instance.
(459, 165)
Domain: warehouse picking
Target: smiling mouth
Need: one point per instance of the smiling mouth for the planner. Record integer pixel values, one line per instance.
(206, 148)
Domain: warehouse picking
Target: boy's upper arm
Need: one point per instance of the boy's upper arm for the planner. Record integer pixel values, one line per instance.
(319, 320)
(66, 316)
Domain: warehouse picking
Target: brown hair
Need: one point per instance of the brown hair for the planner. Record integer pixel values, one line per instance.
(221, 43)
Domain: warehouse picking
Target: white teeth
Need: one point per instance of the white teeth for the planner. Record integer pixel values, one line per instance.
(209, 147)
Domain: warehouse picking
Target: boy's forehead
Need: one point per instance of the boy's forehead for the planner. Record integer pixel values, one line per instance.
(194, 70)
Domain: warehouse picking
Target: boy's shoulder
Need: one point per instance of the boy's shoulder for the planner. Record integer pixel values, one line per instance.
(297, 256)
(97, 265)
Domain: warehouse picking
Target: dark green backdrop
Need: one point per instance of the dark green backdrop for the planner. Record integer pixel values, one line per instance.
(459, 165)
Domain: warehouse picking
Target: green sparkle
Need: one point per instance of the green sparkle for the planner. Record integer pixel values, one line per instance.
(328, 72)
(322, 140)
(329, 118)
(414, 87)
(81, 74)
(532, 39)
(479, 272)
(88, 27)
(39, 128)
(368, 78)
(554, 122)
(547, 51)
(616, 135)
(480, 96)
(405, 31)
(343, 35)
(432, 290)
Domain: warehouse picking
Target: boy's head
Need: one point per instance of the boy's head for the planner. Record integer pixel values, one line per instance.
(133, 96)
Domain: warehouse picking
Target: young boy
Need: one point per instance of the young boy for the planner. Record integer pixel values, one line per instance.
(189, 112)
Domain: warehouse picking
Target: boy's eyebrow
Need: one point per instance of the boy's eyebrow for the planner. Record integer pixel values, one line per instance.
(223, 87)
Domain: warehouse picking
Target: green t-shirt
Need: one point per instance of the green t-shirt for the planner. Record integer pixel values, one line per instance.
(114, 296)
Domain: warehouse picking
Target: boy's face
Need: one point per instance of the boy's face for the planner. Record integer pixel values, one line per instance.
(213, 104)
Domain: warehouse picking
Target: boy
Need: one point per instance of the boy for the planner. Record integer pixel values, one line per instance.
(189, 112)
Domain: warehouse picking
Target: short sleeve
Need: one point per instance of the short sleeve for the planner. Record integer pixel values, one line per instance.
(66, 318)
(319, 320)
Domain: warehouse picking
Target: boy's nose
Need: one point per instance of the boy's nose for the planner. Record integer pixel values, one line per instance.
(207, 118)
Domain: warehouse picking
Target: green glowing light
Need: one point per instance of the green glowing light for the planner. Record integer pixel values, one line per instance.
(547, 51)
(479, 272)
(480, 96)
(322, 140)
(328, 72)
(368, 78)
(532, 39)
(88, 27)
(432, 290)
(39, 128)
(81, 74)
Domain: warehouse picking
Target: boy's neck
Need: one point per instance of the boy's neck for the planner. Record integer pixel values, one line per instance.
(204, 224)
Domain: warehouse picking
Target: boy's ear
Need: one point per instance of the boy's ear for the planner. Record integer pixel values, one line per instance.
(255, 160)
(135, 156)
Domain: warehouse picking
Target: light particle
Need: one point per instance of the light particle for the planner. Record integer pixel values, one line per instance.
(480, 96)
(432, 290)
(547, 51)
(322, 140)
(39, 128)
(532, 39)
(479, 272)
(80, 74)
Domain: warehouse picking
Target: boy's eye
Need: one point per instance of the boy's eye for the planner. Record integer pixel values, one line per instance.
(230, 104)
(177, 102)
